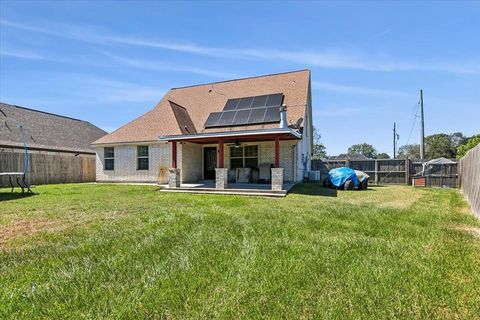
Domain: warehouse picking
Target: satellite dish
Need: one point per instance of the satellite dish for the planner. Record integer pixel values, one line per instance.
(298, 123)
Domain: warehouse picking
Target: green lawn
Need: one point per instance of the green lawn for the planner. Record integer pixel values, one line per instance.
(116, 251)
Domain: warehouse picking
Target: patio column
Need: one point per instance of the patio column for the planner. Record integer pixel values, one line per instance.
(277, 172)
(277, 152)
(220, 154)
(174, 172)
(221, 173)
(174, 154)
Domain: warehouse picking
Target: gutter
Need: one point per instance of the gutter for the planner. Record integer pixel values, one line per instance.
(48, 149)
(231, 134)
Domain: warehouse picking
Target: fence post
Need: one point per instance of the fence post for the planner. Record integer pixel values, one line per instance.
(407, 170)
(376, 172)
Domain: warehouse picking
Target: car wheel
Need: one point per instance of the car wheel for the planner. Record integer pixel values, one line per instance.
(349, 185)
(327, 183)
(362, 185)
(365, 184)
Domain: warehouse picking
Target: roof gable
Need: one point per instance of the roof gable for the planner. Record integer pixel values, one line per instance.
(184, 121)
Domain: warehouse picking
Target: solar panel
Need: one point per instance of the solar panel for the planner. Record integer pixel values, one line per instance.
(247, 110)
(274, 100)
(259, 101)
(231, 104)
(257, 115)
(272, 114)
(227, 118)
(245, 103)
(213, 118)
(241, 117)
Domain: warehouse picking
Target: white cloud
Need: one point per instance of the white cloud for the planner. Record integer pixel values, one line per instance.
(334, 59)
(21, 54)
(162, 66)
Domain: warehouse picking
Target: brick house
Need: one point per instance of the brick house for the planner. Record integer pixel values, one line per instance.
(251, 130)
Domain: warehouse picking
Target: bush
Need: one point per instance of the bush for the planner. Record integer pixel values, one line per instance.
(471, 143)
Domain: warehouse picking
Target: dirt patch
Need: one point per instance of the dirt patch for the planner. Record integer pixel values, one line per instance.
(473, 230)
(23, 228)
(398, 197)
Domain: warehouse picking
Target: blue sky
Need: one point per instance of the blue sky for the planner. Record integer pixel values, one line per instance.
(109, 62)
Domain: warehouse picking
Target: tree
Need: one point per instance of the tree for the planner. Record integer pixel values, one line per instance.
(443, 145)
(409, 150)
(383, 155)
(363, 148)
(319, 150)
(470, 143)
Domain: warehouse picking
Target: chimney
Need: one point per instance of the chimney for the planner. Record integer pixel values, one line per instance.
(283, 117)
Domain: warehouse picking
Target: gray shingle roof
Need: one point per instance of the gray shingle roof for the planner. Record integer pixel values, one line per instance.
(45, 130)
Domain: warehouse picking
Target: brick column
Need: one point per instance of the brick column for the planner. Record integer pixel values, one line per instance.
(277, 179)
(221, 178)
(174, 178)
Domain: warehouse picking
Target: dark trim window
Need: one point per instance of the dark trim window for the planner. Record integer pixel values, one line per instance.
(142, 157)
(108, 158)
(243, 157)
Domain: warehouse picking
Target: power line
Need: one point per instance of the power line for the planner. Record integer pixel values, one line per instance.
(413, 124)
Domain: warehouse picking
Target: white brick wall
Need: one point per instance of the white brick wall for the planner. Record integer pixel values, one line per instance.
(126, 163)
(190, 160)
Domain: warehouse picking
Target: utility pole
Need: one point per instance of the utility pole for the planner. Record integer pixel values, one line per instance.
(422, 130)
(394, 141)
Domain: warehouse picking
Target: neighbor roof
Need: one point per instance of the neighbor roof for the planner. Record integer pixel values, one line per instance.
(185, 110)
(46, 131)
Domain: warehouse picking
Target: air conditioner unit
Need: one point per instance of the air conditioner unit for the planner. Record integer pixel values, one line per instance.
(313, 175)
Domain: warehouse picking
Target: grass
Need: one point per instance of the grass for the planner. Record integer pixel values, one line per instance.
(116, 251)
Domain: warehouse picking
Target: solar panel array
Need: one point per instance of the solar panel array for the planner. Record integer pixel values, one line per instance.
(247, 110)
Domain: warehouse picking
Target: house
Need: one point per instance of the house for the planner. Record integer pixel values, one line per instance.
(54, 143)
(256, 129)
(46, 132)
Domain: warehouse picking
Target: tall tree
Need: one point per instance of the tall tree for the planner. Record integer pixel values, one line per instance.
(409, 150)
(383, 155)
(443, 145)
(363, 148)
(319, 150)
(470, 143)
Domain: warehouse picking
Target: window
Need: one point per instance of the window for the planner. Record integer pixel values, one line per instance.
(108, 158)
(142, 157)
(243, 157)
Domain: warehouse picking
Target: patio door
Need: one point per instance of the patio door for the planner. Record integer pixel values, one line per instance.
(209, 162)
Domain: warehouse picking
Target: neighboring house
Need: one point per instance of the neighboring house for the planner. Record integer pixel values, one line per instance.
(56, 138)
(234, 125)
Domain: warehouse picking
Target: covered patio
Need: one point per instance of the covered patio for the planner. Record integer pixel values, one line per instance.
(239, 161)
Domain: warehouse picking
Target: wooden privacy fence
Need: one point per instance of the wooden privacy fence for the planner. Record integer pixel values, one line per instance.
(46, 168)
(389, 171)
(470, 178)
